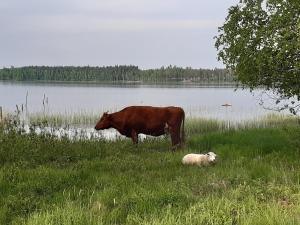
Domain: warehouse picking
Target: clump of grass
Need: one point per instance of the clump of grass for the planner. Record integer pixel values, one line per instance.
(203, 126)
(81, 119)
(68, 214)
(271, 120)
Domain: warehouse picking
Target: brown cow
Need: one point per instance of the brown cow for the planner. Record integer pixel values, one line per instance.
(154, 121)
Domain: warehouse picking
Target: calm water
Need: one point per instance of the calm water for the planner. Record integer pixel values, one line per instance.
(197, 101)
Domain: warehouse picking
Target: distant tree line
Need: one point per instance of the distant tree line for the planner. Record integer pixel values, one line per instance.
(117, 74)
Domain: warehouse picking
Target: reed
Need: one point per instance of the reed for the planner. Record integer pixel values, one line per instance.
(90, 118)
(81, 125)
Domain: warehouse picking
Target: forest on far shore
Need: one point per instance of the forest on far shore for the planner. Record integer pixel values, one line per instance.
(118, 74)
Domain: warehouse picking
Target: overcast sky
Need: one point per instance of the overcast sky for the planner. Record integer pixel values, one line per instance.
(146, 33)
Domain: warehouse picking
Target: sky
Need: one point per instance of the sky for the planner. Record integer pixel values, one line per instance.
(146, 33)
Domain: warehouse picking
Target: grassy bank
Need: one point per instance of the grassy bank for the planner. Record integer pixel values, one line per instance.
(48, 181)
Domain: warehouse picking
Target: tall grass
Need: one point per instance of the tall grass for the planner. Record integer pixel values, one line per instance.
(85, 119)
(198, 125)
(44, 180)
(80, 125)
(81, 119)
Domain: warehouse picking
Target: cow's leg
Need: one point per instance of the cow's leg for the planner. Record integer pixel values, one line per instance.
(175, 136)
(134, 136)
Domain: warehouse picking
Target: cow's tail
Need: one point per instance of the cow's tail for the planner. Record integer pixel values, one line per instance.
(182, 129)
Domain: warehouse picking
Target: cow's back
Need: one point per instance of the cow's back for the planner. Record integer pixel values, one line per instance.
(151, 120)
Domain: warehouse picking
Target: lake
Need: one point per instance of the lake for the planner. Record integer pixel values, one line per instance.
(61, 98)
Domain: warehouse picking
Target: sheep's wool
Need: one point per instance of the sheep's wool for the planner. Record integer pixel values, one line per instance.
(199, 159)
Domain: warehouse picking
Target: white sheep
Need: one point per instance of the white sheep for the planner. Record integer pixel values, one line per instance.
(199, 159)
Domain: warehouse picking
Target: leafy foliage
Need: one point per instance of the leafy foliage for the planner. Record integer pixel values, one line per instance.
(260, 43)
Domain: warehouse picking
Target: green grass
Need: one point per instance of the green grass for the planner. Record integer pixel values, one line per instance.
(75, 119)
(48, 181)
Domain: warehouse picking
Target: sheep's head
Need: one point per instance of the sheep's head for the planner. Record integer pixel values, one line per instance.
(212, 157)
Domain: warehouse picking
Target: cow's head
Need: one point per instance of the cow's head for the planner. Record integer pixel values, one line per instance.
(104, 122)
